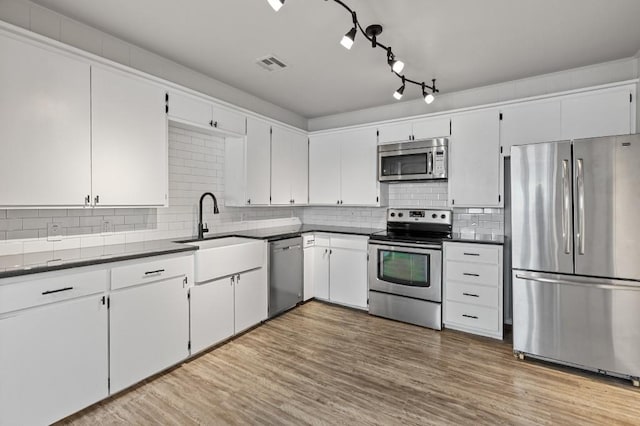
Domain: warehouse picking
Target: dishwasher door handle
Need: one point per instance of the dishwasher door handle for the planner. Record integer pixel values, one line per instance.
(292, 247)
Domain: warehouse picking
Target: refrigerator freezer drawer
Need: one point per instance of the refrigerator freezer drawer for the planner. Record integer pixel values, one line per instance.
(586, 322)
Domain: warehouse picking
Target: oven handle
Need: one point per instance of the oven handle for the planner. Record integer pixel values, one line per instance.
(408, 245)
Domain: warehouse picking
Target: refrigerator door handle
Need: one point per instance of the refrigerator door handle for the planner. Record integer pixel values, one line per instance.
(577, 283)
(580, 188)
(566, 206)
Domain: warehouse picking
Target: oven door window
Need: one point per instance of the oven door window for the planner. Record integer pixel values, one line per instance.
(404, 268)
(398, 165)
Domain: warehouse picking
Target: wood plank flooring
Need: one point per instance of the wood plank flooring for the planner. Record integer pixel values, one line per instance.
(322, 364)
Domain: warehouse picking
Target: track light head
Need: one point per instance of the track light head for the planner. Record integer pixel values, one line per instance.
(398, 94)
(429, 98)
(349, 37)
(397, 66)
(276, 4)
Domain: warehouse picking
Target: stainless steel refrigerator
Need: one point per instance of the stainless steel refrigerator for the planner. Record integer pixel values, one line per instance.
(575, 218)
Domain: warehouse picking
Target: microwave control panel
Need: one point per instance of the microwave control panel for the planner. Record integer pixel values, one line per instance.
(439, 163)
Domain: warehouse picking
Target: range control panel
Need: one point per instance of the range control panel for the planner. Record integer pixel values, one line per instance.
(420, 216)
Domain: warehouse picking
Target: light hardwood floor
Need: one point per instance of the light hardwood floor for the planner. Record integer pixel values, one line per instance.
(322, 364)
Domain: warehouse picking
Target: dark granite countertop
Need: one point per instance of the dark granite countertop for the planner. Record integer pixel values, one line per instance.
(53, 260)
(477, 238)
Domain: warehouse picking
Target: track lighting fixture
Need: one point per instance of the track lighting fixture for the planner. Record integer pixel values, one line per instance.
(350, 36)
(371, 33)
(428, 97)
(398, 94)
(276, 4)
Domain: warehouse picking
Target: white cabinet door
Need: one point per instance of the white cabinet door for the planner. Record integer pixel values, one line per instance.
(212, 313)
(348, 277)
(431, 128)
(299, 167)
(281, 163)
(45, 133)
(227, 120)
(324, 169)
(149, 331)
(189, 109)
(359, 181)
(474, 175)
(251, 299)
(308, 268)
(395, 132)
(600, 113)
(320, 274)
(53, 361)
(530, 122)
(129, 141)
(258, 164)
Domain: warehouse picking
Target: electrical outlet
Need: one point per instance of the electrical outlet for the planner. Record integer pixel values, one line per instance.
(107, 227)
(54, 231)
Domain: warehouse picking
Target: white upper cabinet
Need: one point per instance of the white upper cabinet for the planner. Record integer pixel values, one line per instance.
(413, 130)
(189, 109)
(258, 166)
(324, 169)
(431, 128)
(395, 132)
(603, 112)
(343, 169)
(129, 140)
(228, 121)
(530, 122)
(474, 161)
(359, 180)
(45, 127)
(289, 167)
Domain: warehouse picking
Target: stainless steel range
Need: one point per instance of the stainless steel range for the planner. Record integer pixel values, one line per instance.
(405, 266)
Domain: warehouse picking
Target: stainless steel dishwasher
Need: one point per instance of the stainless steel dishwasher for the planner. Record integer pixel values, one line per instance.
(285, 275)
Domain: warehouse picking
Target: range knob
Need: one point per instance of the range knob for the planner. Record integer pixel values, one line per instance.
(393, 215)
(434, 215)
(400, 215)
(442, 216)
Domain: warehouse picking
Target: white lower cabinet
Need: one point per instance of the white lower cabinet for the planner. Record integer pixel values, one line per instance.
(473, 288)
(211, 313)
(250, 299)
(335, 267)
(53, 357)
(149, 330)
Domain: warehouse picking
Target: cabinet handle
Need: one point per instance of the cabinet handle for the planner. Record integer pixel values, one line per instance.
(249, 201)
(44, 293)
(157, 271)
(471, 254)
(97, 199)
(238, 279)
(468, 274)
(87, 199)
(470, 295)
(211, 123)
(470, 316)
(233, 279)
(338, 202)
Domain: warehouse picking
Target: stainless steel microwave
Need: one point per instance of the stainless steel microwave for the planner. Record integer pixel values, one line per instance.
(415, 160)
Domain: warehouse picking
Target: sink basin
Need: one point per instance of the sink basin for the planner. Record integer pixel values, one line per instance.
(222, 257)
(220, 242)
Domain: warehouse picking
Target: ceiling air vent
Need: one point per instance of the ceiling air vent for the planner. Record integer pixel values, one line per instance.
(271, 63)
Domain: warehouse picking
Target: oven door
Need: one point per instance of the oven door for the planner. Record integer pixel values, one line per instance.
(410, 270)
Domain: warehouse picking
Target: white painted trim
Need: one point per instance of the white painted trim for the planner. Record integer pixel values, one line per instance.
(458, 111)
(22, 34)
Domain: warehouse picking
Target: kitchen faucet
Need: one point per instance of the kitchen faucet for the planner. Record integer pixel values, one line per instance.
(202, 228)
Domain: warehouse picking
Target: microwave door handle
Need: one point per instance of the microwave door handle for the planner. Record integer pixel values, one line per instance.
(430, 162)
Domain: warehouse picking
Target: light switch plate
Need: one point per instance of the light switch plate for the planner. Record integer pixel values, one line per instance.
(54, 231)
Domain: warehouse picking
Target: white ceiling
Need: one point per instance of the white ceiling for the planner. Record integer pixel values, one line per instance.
(462, 43)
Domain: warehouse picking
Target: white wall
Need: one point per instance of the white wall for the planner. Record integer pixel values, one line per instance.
(45, 22)
(593, 75)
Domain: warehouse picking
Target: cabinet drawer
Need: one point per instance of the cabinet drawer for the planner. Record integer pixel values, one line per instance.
(472, 316)
(51, 288)
(322, 240)
(473, 294)
(149, 271)
(473, 273)
(478, 253)
(354, 243)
